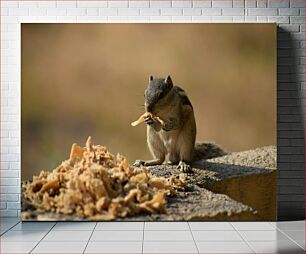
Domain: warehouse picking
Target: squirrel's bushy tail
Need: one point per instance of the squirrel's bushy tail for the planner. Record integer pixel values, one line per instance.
(204, 151)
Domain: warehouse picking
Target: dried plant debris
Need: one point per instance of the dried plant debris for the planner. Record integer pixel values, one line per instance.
(96, 185)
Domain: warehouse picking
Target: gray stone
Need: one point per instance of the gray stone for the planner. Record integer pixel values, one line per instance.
(237, 186)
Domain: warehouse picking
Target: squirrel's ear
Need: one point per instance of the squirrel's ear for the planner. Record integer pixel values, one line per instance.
(168, 80)
(151, 78)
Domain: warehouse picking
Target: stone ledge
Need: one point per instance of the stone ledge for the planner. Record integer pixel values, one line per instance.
(237, 186)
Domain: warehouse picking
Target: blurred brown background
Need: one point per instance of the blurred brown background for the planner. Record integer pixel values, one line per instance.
(88, 79)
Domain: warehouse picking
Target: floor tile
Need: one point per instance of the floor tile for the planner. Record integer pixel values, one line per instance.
(63, 226)
(33, 226)
(3, 230)
(119, 226)
(273, 223)
(60, 247)
(9, 224)
(301, 243)
(221, 226)
(216, 236)
(223, 247)
(253, 225)
(9, 220)
(5, 227)
(169, 247)
(99, 236)
(69, 236)
(22, 236)
(291, 225)
(297, 235)
(167, 236)
(258, 235)
(114, 247)
(17, 247)
(276, 247)
(166, 226)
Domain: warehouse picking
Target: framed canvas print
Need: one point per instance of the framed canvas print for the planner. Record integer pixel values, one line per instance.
(148, 122)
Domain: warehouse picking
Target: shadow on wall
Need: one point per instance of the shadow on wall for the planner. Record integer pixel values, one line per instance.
(290, 131)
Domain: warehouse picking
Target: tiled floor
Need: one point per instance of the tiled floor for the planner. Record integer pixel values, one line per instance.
(152, 237)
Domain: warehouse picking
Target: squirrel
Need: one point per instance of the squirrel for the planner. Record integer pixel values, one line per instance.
(174, 139)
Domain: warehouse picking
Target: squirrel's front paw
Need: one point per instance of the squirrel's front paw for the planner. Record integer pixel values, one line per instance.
(149, 120)
(185, 168)
(167, 126)
(138, 163)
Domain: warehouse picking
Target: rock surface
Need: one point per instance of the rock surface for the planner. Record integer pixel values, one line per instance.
(247, 179)
(237, 186)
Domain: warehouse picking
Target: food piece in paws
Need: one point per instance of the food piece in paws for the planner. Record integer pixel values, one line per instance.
(142, 118)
